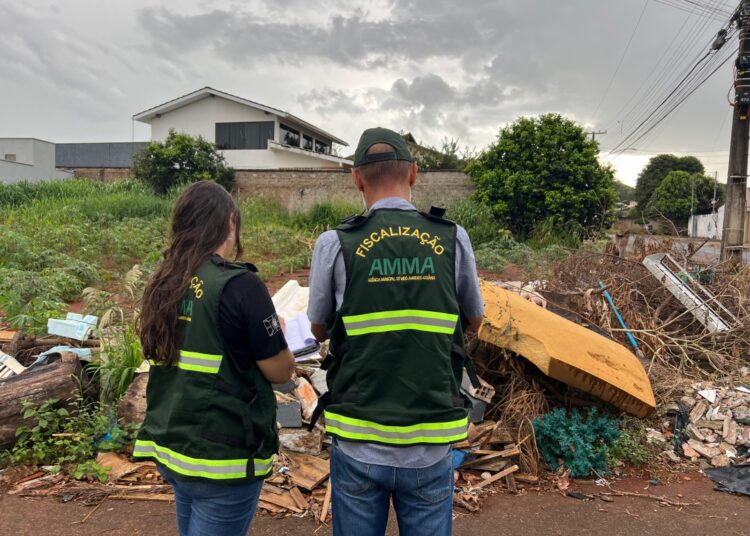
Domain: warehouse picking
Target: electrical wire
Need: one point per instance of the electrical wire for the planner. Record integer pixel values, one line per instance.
(692, 78)
(622, 58)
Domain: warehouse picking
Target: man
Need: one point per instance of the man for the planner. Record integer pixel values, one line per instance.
(394, 289)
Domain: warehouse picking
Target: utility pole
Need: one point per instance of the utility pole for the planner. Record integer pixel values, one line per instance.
(733, 233)
(596, 133)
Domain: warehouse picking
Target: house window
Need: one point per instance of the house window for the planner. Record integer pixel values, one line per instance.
(307, 142)
(288, 136)
(247, 135)
(10, 157)
(322, 147)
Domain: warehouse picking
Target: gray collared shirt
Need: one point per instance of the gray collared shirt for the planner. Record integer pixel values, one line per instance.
(327, 285)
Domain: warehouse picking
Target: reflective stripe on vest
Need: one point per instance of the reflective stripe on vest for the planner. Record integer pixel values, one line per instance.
(431, 432)
(415, 319)
(213, 469)
(197, 362)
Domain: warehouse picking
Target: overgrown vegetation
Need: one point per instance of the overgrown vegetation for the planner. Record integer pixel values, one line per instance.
(67, 439)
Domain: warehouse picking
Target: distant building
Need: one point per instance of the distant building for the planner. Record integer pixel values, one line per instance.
(28, 159)
(97, 155)
(249, 134)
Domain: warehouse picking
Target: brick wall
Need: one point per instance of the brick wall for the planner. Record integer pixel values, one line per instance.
(301, 189)
(103, 174)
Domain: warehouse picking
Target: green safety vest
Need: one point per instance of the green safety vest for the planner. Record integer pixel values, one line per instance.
(207, 419)
(397, 347)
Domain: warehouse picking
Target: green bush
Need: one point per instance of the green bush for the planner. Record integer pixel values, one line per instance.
(544, 168)
(574, 442)
(178, 160)
(67, 438)
(477, 219)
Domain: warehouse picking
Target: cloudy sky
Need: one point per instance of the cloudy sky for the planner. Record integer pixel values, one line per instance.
(78, 70)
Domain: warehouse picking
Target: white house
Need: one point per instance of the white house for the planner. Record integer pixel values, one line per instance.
(250, 135)
(28, 159)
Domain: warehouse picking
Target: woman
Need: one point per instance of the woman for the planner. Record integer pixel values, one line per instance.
(210, 331)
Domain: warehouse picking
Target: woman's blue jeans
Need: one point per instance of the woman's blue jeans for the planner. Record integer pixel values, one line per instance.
(422, 498)
(213, 509)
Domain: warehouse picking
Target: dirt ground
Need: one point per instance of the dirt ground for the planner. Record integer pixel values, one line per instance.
(533, 513)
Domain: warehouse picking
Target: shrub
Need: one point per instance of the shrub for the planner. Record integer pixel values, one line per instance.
(541, 168)
(178, 160)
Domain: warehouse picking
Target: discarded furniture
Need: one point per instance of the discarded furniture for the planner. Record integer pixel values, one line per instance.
(565, 351)
(699, 301)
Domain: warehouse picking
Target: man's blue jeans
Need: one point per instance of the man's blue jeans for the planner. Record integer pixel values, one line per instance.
(213, 509)
(422, 498)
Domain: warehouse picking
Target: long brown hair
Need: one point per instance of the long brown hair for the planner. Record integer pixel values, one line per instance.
(200, 225)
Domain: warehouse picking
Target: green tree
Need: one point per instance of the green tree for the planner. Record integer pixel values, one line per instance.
(180, 159)
(679, 189)
(625, 193)
(657, 169)
(544, 169)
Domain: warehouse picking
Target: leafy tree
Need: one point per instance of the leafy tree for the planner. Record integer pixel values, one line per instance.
(180, 159)
(673, 198)
(625, 193)
(656, 171)
(544, 169)
(450, 156)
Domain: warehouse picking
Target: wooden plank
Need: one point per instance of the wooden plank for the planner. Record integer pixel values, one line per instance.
(299, 498)
(6, 335)
(157, 497)
(326, 502)
(492, 466)
(529, 479)
(283, 500)
(507, 453)
(495, 478)
(271, 507)
(310, 471)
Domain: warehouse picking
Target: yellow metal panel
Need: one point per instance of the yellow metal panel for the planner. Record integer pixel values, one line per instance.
(565, 351)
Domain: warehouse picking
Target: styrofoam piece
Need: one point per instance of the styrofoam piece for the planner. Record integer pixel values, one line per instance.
(75, 326)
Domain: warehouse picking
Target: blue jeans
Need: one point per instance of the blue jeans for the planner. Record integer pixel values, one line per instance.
(213, 509)
(422, 498)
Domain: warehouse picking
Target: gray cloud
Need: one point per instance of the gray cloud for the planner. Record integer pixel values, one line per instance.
(417, 30)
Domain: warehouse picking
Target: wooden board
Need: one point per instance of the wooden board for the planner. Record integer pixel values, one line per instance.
(299, 499)
(495, 478)
(310, 471)
(157, 497)
(283, 500)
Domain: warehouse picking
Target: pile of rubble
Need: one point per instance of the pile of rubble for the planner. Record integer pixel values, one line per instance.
(712, 425)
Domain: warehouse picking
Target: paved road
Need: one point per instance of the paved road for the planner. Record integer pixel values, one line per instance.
(535, 513)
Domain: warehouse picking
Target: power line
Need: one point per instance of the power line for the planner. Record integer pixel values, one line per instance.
(622, 58)
(693, 78)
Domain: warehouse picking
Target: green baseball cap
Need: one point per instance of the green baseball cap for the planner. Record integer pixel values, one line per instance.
(370, 137)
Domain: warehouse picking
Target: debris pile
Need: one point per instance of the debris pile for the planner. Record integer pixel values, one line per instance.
(712, 425)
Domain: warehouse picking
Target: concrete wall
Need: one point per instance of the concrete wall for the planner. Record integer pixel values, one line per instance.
(707, 225)
(23, 148)
(35, 161)
(200, 118)
(301, 189)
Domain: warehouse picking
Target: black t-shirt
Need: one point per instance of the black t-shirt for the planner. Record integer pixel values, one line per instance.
(248, 322)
